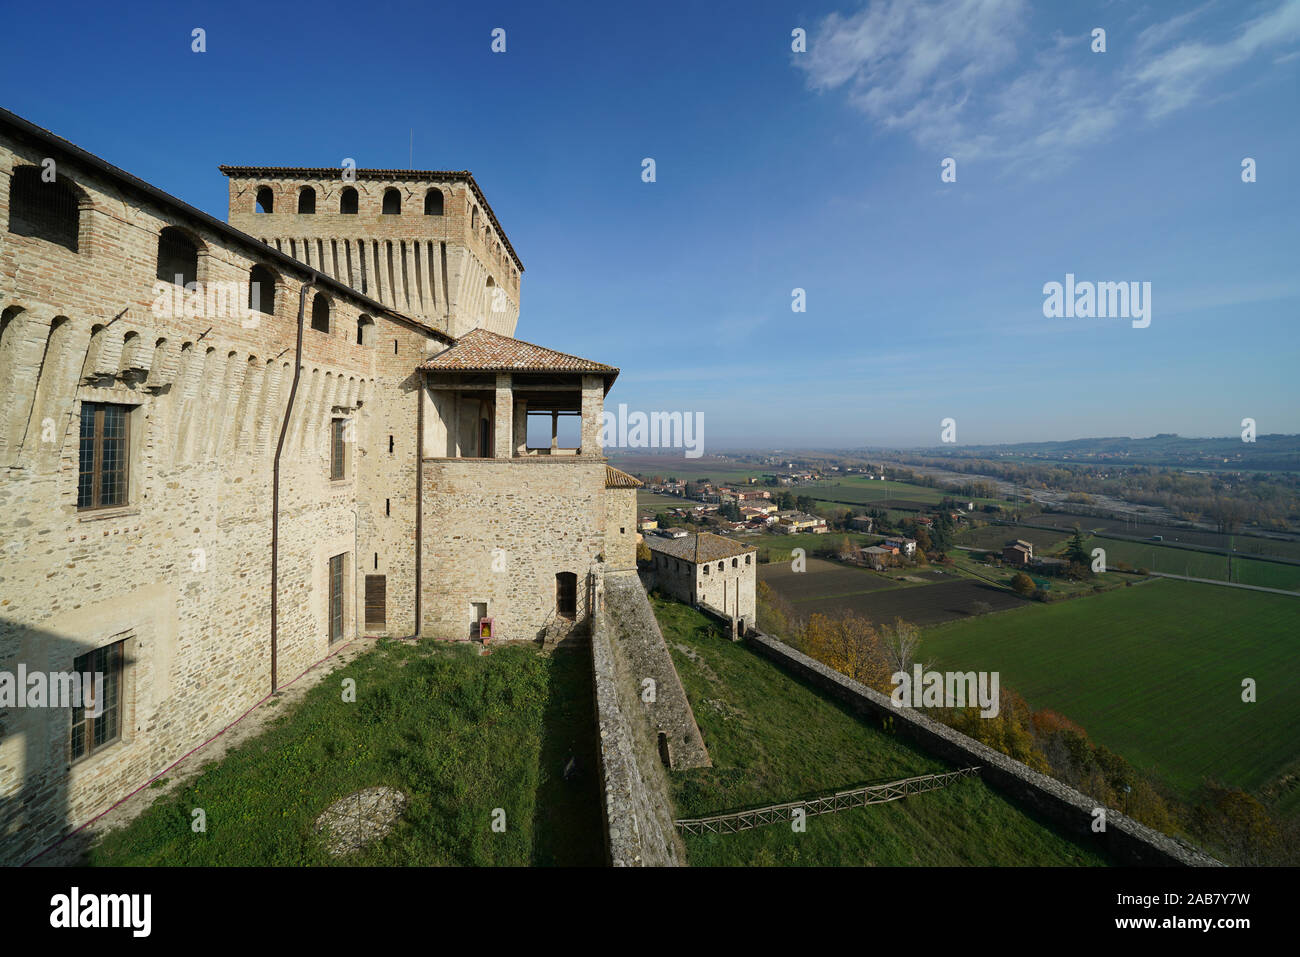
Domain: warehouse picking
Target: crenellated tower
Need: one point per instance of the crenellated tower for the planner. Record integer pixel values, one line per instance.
(423, 242)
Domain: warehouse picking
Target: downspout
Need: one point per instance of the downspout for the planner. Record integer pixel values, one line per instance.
(275, 482)
(419, 501)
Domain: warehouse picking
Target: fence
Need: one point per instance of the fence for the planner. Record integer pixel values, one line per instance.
(829, 804)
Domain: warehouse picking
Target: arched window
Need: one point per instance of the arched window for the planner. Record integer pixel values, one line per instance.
(306, 200)
(365, 331)
(178, 257)
(48, 211)
(320, 313)
(348, 200)
(261, 289)
(566, 594)
(265, 200)
(392, 202)
(433, 202)
(473, 218)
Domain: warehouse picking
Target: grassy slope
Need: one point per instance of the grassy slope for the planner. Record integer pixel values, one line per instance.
(1153, 672)
(460, 734)
(773, 739)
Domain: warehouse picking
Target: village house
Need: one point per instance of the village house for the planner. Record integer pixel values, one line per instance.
(1017, 552)
(708, 570)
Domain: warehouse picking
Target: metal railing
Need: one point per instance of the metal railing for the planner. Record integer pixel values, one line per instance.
(829, 804)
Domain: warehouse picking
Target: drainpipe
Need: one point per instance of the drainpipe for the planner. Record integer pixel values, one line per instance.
(275, 481)
(419, 500)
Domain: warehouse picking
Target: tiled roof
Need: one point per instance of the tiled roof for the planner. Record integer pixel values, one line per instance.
(711, 548)
(484, 351)
(617, 478)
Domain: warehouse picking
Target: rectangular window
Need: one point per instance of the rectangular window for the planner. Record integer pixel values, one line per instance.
(91, 733)
(105, 449)
(338, 449)
(336, 597)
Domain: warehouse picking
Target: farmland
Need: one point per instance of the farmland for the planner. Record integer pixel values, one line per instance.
(1244, 544)
(774, 739)
(935, 596)
(1154, 673)
(1182, 561)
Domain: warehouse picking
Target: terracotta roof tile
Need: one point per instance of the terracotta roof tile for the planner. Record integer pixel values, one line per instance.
(711, 548)
(484, 351)
(617, 478)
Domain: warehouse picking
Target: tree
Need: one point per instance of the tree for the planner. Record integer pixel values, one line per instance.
(1022, 584)
(643, 552)
(848, 551)
(803, 503)
(901, 643)
(1076, 551)
(851, 645)
(785, 501)
(730, 511)
(941, 533)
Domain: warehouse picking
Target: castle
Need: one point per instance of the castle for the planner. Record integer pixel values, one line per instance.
(225, 448)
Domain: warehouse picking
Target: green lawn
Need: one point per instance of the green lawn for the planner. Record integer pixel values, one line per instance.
(1154, 673)
(460, 734)
(1183, 561)
(773, 739)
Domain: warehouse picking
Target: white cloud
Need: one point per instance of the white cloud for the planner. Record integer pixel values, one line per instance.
(952, 75)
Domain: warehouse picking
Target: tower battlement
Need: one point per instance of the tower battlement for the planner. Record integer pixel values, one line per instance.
(423, 242)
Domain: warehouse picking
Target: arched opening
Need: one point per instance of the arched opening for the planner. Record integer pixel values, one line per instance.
(320, 313)
(392, 202)
(261, 289)
(484, 439)
(365, 331)
(178, 257)
(473, 218)
(265, 200)
(566, 595)
(433, 201)
(49, 211)
(348, 201)
(306, 200)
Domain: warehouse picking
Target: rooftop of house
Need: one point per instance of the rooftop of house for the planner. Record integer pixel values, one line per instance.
(704, 547)
(617, 478)
(482, 351)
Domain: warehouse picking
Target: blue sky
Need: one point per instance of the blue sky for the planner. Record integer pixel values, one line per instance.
(776, 170)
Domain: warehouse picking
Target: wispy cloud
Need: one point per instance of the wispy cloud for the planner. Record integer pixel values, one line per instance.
(957, 75)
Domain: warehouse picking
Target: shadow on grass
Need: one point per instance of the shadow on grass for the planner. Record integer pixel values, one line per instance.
(569, 828)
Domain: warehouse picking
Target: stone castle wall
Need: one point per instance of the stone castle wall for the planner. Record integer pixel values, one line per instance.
(182, 571)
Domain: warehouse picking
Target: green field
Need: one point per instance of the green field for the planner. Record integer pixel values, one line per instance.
(995, 536)
(1154, 673)
(773, 739)
(1183, 561)
(460, 734)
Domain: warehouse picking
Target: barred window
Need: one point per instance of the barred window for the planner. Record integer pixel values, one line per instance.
(48, 211)
(338, 448)
(105, 450)
(392, 202)
(178, 257)
(348, 200)
(306, 200)
(433, 202)
(91, 733)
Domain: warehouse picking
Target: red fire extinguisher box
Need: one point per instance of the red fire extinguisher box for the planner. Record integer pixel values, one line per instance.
(485, 628)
